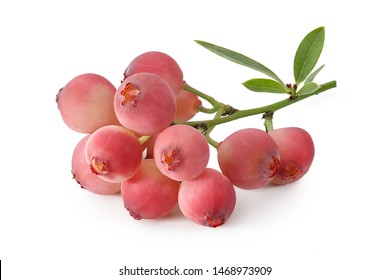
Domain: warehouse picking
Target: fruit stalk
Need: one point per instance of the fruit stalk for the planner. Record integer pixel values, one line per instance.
(213, 102)
(268, 121)
(238, 114)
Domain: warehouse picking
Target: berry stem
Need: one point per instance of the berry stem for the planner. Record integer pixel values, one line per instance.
(213, 102)
(206, 133)
(238, 114)
(206, 110)
(268, 121)
(211, 141)
(143, 139)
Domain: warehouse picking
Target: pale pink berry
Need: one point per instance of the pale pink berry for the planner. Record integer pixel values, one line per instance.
(187, 106)
(149, 194)
(86, 103)
(181, 152)
(158, 63)
(145, 104)
(249, 158)
(208, 199)
(296, 154)
(83, 174)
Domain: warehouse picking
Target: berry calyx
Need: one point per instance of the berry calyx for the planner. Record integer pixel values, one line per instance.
(170, 159)
(292, 170)
(213, 221)
(129, 93)
(99, 167)
(272, 167)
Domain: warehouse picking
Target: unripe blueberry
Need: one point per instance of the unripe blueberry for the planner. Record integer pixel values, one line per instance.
(113, 153)
(187, 105)
(150, 146)
(208, 199)
(86, 103)
(145, 104)
(160, 64)
(296, 153)
(83, 174)
(149, 194)
(249, 158)
(181, 152)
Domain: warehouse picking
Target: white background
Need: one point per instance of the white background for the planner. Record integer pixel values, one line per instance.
(333, 224)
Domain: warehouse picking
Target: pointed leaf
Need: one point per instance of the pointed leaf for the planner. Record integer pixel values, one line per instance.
(240, 59)
(308, 88)
(308, 53)
(314, 74)
(264, 85)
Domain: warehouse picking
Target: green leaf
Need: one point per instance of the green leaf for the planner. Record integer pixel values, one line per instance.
(308, 53)
(264, 85)
(308, 88)
(314, 74)
(240, 59)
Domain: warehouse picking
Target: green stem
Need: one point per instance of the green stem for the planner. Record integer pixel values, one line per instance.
(268, 121)
(207, 110)
(209, 129)
(143, 139)
(260, 110)
(218, 115)
(211, 141)
(213, 102)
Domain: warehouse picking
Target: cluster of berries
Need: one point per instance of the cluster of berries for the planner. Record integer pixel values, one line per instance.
(135, 146)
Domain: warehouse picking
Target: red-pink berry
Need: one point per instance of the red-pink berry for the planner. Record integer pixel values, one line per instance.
(181, 152)
(187, 105)
(208, 199)
(296, 154)
(158, 63)
(85, 177)
(145, 104)
(150, 146)
(86, 103)
(113, 153)
(249, 158)
(149, 194)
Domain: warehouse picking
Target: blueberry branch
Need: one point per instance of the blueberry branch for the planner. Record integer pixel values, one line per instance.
(237, 114)
(221, 111)
(206, 129)
(213, 102)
